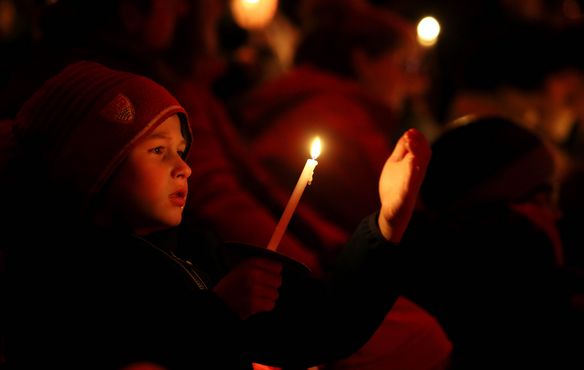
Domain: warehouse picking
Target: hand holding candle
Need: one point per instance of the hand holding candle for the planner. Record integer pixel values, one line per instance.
(305, 179)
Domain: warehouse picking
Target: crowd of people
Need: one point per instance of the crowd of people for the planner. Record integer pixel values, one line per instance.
(140, 138)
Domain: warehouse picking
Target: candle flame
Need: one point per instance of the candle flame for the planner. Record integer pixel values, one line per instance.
(315, 148)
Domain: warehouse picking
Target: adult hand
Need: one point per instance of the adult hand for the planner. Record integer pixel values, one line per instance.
(400, 182)
(251, 287)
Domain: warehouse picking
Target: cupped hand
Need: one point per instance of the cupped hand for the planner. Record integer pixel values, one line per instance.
(400, 182)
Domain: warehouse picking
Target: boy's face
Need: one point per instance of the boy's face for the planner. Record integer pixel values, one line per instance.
(149, 190)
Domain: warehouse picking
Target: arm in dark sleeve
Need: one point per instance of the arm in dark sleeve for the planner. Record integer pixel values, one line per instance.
(317, 321)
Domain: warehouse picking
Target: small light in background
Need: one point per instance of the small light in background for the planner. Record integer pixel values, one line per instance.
(7, 19)
(253, 14)
(428, 31)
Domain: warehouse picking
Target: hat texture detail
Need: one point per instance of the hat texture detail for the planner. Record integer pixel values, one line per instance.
(120, 110)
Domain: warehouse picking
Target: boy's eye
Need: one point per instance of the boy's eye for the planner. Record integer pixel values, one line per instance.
(157, 150)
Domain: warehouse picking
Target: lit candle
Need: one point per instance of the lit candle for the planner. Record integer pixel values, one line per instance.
(305, 179)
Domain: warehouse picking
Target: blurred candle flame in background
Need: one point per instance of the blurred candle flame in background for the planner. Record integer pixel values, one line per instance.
(253, 14)
(428, 31)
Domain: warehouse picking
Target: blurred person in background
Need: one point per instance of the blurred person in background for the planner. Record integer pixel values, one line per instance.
(355, 67)
(498, 283)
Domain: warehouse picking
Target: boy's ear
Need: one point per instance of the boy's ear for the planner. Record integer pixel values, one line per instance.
(131, 18)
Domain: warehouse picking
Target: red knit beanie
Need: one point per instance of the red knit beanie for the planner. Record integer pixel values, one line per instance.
(82, 123)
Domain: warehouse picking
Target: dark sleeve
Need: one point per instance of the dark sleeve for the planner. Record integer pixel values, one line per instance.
(122, 303)
(318, 321)
(183, 326)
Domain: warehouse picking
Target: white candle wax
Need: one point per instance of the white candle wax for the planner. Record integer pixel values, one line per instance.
(305, 179)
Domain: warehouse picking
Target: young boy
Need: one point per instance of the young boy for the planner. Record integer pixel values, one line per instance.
(104, 274)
